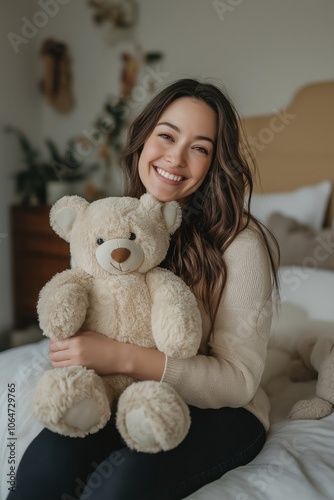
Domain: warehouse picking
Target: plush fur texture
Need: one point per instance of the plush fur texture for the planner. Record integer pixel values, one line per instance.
(116, 289)
(316, 360)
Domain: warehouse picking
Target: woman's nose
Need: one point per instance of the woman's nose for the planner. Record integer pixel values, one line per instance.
(176, 156)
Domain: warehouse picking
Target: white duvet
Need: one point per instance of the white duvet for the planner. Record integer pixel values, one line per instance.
(297, 460)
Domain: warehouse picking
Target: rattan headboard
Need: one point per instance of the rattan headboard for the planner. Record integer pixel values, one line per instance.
(295, 146)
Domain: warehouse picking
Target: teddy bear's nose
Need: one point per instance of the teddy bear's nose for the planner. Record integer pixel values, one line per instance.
(120, 254)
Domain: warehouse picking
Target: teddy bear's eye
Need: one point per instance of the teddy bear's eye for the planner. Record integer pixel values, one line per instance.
(132, 236)
(99, 241)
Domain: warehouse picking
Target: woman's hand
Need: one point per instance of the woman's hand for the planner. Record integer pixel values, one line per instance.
(107, 356)
(89, 349)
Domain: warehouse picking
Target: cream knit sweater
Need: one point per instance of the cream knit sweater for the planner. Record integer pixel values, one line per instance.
(231, 359)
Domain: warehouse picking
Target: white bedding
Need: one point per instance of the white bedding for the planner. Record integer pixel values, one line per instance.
(297, 460)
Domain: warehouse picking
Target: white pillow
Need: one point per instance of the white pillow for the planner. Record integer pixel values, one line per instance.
(309, 289)
(307, 204)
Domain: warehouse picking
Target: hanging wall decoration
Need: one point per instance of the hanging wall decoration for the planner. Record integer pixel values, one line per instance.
(56, 83)
(120, 15)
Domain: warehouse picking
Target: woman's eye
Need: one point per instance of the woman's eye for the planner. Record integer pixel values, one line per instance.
(201, 150)
(132, 236)
(166, 136)
(100, 241)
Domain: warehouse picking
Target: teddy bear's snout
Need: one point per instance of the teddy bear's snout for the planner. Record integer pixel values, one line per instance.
(120, 254)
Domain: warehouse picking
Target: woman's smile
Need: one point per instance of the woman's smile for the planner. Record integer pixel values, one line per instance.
(168, 176)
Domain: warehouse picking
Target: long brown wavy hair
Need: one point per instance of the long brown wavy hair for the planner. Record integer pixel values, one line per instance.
(216, 212)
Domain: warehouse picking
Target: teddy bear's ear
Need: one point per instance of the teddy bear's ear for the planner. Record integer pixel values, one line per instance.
(63, 214)
(172, 214)
(171, 211)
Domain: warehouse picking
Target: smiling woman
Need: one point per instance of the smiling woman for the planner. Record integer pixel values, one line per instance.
(177, 155)
(185, 146)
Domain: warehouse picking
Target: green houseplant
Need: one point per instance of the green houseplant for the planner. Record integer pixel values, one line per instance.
(31, 183)
(70, 171)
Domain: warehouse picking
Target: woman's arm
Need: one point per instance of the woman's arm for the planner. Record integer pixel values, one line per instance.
(107, 356)
(230, 375)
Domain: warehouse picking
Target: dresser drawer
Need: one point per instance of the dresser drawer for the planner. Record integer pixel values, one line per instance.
(42, 244)
(31, 220)
(38, 254)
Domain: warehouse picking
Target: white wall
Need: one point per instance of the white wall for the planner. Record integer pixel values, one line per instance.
(262, 51)
(19, 105)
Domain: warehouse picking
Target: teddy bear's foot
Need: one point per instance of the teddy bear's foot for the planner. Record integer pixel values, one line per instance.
(83, 415)
(152, 417)
(72, 401)
(311, 409)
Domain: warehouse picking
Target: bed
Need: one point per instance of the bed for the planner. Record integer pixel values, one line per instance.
(294, 150)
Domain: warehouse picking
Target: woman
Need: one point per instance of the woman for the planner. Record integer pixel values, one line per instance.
(184, 146)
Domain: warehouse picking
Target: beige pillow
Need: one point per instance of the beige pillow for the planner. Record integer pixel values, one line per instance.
(302, 246)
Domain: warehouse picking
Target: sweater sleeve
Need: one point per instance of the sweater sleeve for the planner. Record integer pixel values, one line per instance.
(231, 372)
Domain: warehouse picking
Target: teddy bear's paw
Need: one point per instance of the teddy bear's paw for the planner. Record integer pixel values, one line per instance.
(62, 316)
(83, 416)
(72, 401)
(177, 347)
(312, 409)
(152, 417)
(141, 429)
(175, 333)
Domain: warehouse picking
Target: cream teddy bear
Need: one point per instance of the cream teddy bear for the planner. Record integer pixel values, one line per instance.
(116, 289)
(316, 360)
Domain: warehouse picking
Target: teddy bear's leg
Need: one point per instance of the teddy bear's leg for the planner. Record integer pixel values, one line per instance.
(72, 401)
(310, 409)
(152, 417)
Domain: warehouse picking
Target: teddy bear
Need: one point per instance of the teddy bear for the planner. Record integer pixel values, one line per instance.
(116, 287)
(315, 359)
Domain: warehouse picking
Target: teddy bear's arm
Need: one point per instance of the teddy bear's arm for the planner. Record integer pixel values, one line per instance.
(176, 319)
(63, 303)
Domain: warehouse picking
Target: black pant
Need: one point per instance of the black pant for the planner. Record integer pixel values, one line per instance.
(55, 467)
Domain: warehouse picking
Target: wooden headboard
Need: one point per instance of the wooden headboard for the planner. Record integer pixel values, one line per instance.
(294, 147)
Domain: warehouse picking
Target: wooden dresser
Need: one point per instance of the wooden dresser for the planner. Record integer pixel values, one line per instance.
(37, 254)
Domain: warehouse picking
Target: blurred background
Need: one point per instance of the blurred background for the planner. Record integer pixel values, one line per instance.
(74, 73)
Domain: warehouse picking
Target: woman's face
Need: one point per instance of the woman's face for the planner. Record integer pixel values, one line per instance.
(177, 155)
